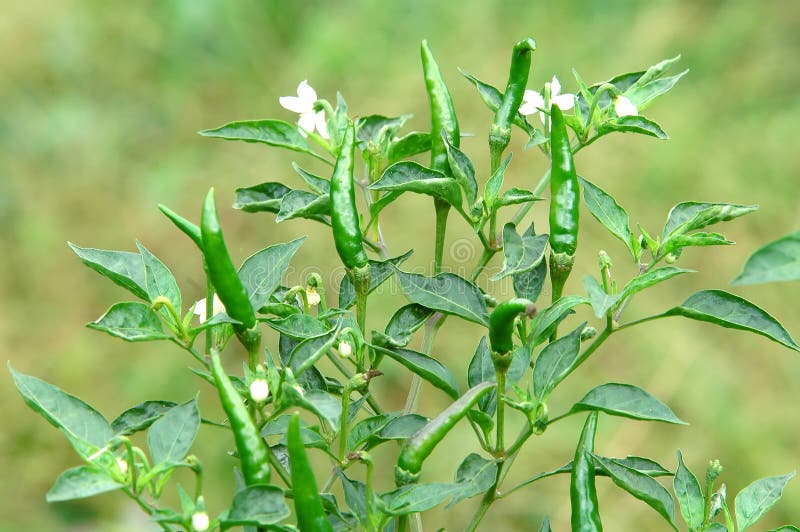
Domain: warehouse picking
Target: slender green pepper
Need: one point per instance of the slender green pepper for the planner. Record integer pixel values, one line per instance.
(501, 322)
(307, 502)
(421, 444)
(500, 133)
(187, 227)
(582, 491)
(223, 274)
(443, 114)
(252, 450)
(564, 203)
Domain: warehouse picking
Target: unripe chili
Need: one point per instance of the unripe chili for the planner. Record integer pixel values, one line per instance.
(251, 447)
(582, 491)
(443, 114)
(307, 502)
(221, 271)
(344, 215)
(421, 444)
(188, 228)
(515, 88)
(564, 190)
(501, 323)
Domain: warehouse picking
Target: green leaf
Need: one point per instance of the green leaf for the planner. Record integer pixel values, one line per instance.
(171, 436)
(481, 369)
(354, 495)
(601, 301)
(785, 528)
(690, 496)
(140, 417)
(545, 321)
(79, 483)
(261, 273)
(380, 129)
(323, 405)
(426, 367)
(641, 486)
(445, 292)
(632, 124)
(475, 475)
(302, 204)
(405, 322)
(515, 196)
(273, 132)
(606, 210)
(626, 400)
(364, 430)
(131, 321)
(84, 426)
(379, 271)
(655, 71)
(392, 427)
(753, 501)
(159, 281)
(418, 497)
(320, 185)
(643, 465)
(692, 215)
(555, 362)
(300, 326)
(412, 144)
(462, 168)
(495, 183)
(257, 506)
(677, 242)
(493, 98)
(310, 350)
(733, 312)
(545, 527)
(407, 176)
(124, 268)
(529, 284)
(641, 94)
(265, 197)
(776, 261)
(520, 253)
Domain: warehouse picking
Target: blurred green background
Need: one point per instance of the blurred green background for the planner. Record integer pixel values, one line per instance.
(100, 105)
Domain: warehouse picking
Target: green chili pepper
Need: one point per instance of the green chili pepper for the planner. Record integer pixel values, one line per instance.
(582, 491)
(307, 502)
(252, 450)
(223, 275)
(500, 134)
(564, 203)
(421, 444)
(443, 114)
(501, 322)
(188, 228)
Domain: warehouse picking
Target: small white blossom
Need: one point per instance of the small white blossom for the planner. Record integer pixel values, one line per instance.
(259, 390)
(303, 104)
(533, 101)
(345, 349)
(624, 107)
(312, 296)
(122, 465)
(200, 521)
(200, 308)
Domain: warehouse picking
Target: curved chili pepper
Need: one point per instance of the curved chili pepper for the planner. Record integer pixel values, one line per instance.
(500, 133)
(187, 227)
(501, 322)
(421, 444)
(564, 203)
(443, 114)
(582, 491)
(344, 215)
(221, 271)
(252, 450)
(307, 502)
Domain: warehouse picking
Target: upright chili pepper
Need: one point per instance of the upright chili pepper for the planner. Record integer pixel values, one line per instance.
(344, 220)
(564, 203)
(500, 133)
(307, 502)
(421, 444)
(582, 491)
(251, 447)
(501, 322)
(443, 114)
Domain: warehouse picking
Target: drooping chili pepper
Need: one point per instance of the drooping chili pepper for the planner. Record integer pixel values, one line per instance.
(187, 227)
(251, 447)
(501, 322)
(443, 113)
(500, 133)
(307, 502)
(223, 274)
(421, 444)
(582, 491)
(344, 221)
(564, 203)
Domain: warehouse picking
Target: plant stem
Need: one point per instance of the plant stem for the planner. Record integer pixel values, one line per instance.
(343, 425)
(501, 411)
(442, 210)
(278, 467)
(486, 256)
(431, 328)
(540, 186)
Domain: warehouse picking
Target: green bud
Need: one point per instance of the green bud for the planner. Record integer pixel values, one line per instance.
(588, 333)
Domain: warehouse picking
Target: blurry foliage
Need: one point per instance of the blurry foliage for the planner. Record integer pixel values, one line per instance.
(100, 105)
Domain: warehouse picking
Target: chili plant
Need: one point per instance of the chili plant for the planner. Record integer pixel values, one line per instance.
(318, 391)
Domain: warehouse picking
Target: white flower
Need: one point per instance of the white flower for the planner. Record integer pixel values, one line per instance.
(533, 101)
(200, 521)
(312, 296)
(200, 308)
(303, 104)
(259, 390)
(122, 465)
(624, 107)
(345, 349)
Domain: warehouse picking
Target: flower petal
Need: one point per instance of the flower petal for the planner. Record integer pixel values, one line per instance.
(624, 107)
(532, 101)
(306, 93)
(321, 126)
(294, 104)
(564, 101)
(306, 123)
(555, 88)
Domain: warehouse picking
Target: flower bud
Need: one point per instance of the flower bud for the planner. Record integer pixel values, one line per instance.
(122, 465)
(312, 296)
(588, 333)
(345, 349)
(259, 390)
(624, 107)
(200, 521)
